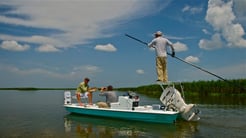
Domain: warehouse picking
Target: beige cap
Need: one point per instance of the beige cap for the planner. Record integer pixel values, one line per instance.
(159, 33)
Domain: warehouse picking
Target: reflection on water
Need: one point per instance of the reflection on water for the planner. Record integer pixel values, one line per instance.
(219, 100)
(222, 121)
(85, 126)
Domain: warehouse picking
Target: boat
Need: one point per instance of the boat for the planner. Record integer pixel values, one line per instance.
(128, 108)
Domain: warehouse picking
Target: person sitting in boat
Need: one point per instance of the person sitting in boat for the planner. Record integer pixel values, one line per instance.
(111, 96)
(83, 90)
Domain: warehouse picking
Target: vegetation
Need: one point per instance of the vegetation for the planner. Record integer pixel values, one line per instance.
(198, 88)
(231, 92)
(195, 88)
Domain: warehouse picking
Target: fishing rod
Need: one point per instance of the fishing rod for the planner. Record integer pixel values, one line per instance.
(134, 38)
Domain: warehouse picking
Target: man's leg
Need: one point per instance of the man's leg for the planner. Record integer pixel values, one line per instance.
(90, 98)
(164, 69)
(159, 70)
(79, 99)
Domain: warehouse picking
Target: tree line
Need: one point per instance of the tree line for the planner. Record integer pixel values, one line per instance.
(200, 88)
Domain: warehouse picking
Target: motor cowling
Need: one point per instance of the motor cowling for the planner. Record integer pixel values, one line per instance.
(172, 100)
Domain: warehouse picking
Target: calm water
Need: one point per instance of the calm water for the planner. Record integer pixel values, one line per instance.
(41, 114)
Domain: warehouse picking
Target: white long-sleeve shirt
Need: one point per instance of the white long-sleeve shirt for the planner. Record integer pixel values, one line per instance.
(160, 44)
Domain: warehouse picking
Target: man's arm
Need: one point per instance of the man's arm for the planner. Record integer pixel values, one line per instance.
(173, 51)
(152, 43)
(171, 45)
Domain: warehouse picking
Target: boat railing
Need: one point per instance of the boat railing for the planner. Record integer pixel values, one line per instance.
(164, 85)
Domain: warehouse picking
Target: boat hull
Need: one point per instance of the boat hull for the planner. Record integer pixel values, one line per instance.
(158, 116)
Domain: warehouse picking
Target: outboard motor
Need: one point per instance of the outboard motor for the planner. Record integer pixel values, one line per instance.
(67, 97)
(172, 100)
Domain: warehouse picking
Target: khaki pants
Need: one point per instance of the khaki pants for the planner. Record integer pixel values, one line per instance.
(161, 68)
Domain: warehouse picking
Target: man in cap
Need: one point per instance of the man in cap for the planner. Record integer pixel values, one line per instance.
(159, 43)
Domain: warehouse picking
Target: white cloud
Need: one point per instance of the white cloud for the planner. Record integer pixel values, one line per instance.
(186, 8)
(47, 48)
(90, 69)
(14, 46)
(106, 48)
(234, 35)
(214, 43)
(140, 71)
(37, 39)
(30, 73)
(178, 38)
(75, 22)
(192, 59)
(220, 15)
(192, 10)
(205, 31)
(178, 46)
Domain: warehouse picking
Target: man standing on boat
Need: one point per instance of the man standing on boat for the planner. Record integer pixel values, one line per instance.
(159, 43)
(83, 90)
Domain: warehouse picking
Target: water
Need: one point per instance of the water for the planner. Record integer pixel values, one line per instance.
(41, 114)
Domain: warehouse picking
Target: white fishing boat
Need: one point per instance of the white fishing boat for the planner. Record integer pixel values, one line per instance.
(128, 108)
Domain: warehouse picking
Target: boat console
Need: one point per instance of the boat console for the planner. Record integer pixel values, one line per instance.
(128, 102)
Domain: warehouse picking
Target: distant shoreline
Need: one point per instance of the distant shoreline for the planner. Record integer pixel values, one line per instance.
(203, 88)
(36, 89)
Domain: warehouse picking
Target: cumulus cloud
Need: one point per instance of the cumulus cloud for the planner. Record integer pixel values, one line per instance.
(192, 59)
(106, 48)
(47, 48)
(178, 46)
(140, 71)
(214, 43)
(14, 46)
(221, 17)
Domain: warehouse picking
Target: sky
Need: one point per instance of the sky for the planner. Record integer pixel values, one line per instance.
(56, 43)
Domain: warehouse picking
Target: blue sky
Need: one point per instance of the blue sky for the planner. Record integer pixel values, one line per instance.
(56, 43)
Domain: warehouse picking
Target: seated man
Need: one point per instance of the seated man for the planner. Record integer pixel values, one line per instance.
(83, 90)
(111, 96)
